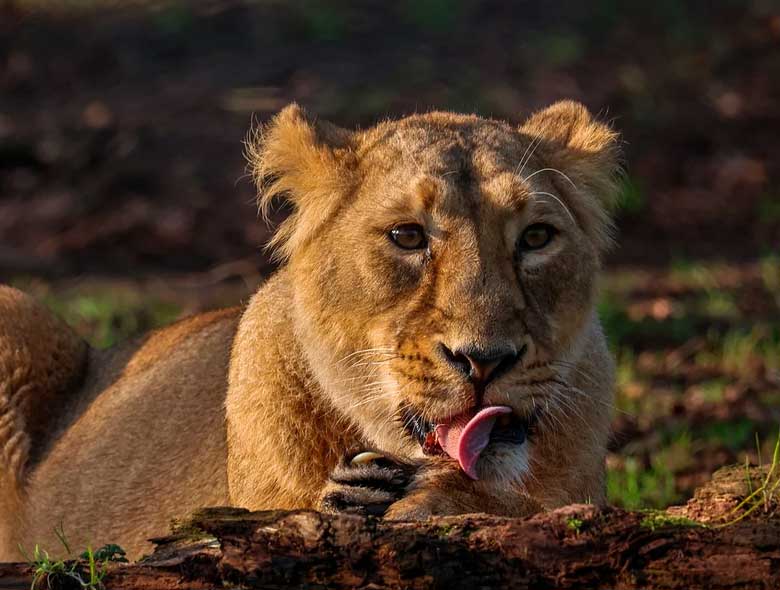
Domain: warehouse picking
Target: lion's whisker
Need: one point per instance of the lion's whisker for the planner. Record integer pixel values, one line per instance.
(565, 208)
(523, 160)
(530, 176)
(372, 363)
(372, 398)
(590, 397)
(579, 370)
(366, 351)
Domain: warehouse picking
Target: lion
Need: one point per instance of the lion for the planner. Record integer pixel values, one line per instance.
(429, 346)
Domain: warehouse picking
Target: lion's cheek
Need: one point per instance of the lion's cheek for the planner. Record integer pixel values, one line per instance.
(562, 294)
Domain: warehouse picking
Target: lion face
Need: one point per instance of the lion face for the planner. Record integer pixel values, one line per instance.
(443, 264)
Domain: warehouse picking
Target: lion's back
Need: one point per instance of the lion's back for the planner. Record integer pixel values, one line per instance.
(143, 443)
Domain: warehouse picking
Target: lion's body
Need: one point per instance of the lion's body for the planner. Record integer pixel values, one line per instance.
(256, 408)
(139, 440)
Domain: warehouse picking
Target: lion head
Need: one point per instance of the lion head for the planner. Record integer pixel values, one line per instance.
(444, 270)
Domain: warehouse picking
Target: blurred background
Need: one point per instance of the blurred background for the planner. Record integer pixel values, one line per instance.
(124, 200)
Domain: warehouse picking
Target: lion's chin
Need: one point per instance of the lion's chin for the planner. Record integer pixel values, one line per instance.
(475, 439)
(504, 463)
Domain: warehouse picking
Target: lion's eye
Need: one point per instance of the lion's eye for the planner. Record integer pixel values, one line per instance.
(409, 236)
(536, 236)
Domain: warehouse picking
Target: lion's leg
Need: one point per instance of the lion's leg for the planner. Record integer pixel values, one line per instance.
(442, 489)
(366, 483)
(40, 360)
(379, 484)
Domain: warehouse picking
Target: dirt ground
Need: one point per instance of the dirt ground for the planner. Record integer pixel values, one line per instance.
(124, 201)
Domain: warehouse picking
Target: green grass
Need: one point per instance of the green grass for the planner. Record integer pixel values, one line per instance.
(621, 329)
(87, 572)
(734, 350)
(693, 274)
(110, 318)
(634, 487)
(638, 483)
(105, 316)
(631, 198)
(732, 434)
(766, 496)
(717, 305)
(713, 390)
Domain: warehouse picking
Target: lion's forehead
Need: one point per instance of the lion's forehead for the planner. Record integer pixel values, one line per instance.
(457, 164)
(439, 143)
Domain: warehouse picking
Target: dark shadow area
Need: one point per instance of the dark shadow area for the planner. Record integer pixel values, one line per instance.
(121, 128)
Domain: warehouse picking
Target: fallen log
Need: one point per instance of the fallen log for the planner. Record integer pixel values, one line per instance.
(579, 546)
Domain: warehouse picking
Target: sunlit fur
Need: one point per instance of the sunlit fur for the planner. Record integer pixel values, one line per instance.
(332, 349)
(368, 317)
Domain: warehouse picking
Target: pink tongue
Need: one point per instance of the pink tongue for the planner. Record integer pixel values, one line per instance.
(465, 438)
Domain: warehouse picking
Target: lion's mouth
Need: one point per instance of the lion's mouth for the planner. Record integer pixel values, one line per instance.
(465, 437)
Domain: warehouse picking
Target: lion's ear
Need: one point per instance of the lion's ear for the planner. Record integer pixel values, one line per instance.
(587, 151)
(304, 161)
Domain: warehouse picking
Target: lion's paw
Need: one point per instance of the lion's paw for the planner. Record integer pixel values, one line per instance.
(366, 483)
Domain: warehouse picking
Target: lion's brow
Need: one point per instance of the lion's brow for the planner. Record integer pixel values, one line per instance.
(557, 200)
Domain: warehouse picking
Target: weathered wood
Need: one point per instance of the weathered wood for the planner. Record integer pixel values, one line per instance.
(717, 500)
(15, 576)
(578, 546)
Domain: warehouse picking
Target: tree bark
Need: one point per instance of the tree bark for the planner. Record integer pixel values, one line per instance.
(578, 546)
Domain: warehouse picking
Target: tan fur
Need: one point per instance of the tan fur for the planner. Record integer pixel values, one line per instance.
(339, 341)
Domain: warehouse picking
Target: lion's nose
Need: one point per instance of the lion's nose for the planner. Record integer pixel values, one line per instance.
(481, 365)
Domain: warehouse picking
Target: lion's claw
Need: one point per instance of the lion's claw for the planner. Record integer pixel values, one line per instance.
(366, 483)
